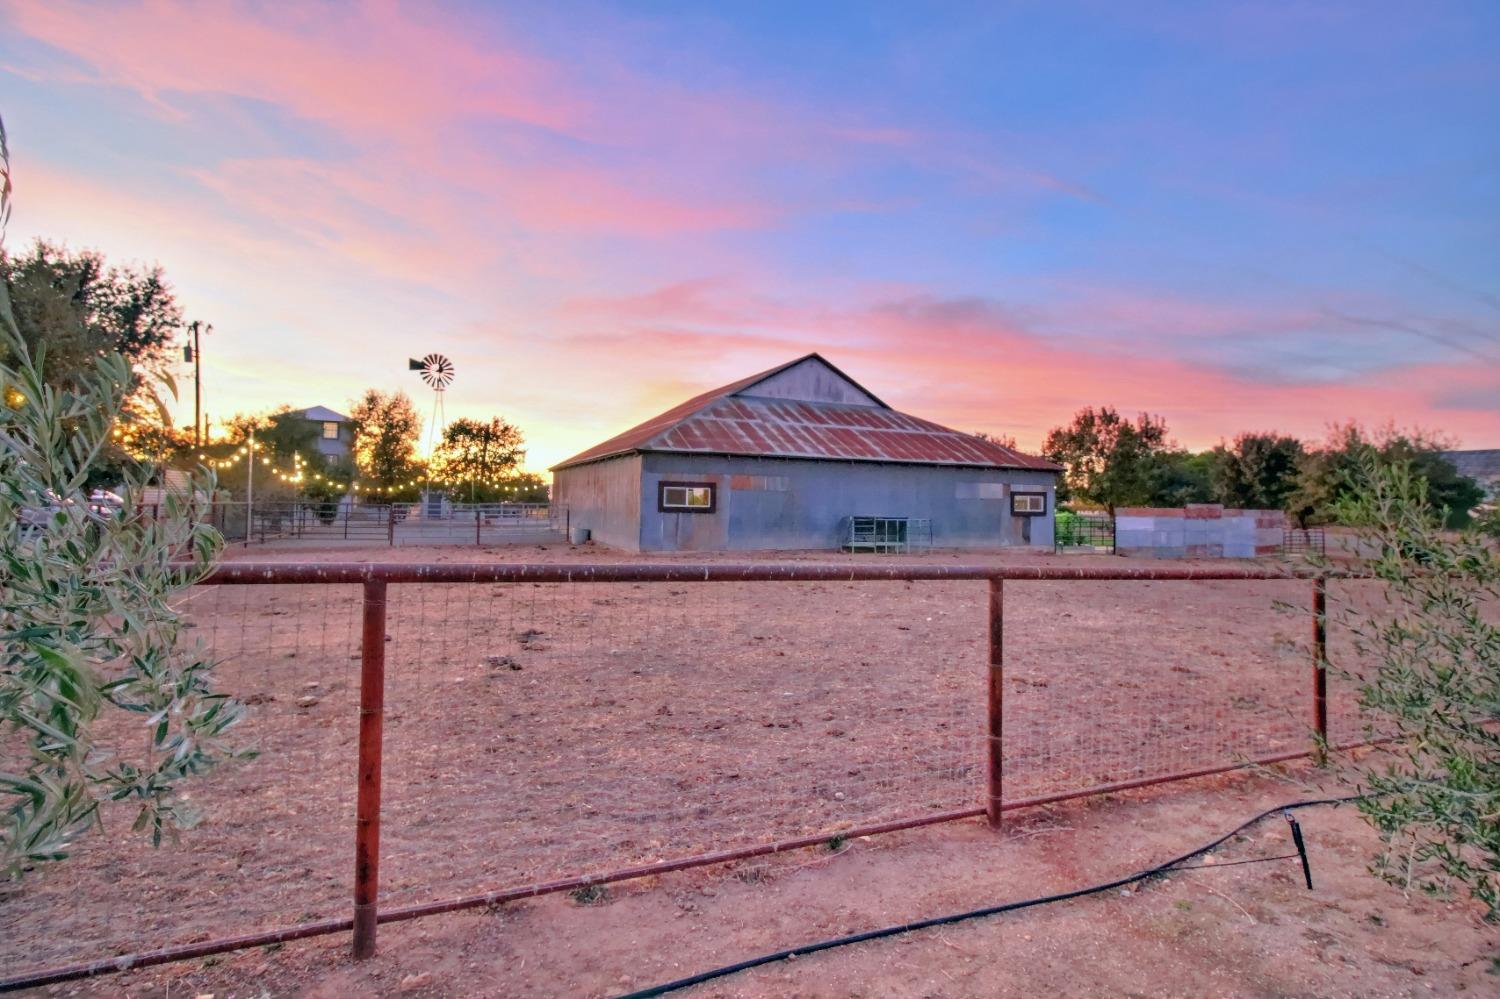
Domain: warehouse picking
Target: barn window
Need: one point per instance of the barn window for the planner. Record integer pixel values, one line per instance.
(685, 497)
(330, 431)
(1028, 504)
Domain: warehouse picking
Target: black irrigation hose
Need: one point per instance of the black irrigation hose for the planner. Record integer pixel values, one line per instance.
(992, 910)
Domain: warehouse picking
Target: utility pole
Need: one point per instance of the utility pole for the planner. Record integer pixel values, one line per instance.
(194, 352)
(250, 491)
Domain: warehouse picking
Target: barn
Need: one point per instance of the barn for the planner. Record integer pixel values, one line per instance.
(803, 457)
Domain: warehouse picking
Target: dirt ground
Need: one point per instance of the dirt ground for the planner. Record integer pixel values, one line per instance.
(539, 731)
(1247, 930)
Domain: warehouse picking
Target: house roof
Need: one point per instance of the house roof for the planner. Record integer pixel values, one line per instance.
(1481, 466)
(773, 422)
(322, 414)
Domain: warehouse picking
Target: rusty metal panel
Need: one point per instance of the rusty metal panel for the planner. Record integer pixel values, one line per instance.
(759, 428)
(738, 420)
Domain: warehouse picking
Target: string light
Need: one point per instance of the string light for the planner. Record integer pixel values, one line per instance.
(299, 474)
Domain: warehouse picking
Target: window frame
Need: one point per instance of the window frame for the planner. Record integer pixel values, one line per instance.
(1017, 512)
(334, 424)
(661, 497)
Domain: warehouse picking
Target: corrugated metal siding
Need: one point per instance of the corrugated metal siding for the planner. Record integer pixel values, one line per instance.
(795, 504)
(605, 497)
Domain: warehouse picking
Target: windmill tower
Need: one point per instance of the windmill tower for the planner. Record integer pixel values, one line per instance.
(437, 372)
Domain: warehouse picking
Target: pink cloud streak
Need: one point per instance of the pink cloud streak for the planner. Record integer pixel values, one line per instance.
(373, 73)
(968, 364)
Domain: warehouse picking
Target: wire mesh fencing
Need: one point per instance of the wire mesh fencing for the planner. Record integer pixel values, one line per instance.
(1354, 605)
(1304, 541)
(1109, 683)
(1083, 532)
(273, 844)
(590, 726)
(535, 730)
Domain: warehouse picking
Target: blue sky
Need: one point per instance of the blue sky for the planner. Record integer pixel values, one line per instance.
(1241, 216)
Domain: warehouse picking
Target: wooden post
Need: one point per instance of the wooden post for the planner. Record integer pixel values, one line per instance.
(367, 806)
(390, 529)
(995, 761)
(476, 526)
(1320, 662)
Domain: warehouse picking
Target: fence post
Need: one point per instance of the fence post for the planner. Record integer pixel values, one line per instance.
(995, 762)
(476, 526)
(390, 524)
(367, 806)
(1320, 662)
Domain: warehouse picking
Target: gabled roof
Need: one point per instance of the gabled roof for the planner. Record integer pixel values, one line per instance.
(773, 423)
(322, 414)
(1481, 466)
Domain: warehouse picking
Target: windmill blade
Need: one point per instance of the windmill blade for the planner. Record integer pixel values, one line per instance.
(437, 371)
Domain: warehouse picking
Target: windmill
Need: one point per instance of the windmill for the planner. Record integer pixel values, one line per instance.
(437, 372)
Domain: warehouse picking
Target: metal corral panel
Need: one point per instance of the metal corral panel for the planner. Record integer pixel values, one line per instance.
(768, 503)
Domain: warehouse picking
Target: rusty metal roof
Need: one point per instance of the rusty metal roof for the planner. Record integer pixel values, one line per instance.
(733, 421)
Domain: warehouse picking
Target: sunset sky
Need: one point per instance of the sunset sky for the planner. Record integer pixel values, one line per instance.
(1240, 216)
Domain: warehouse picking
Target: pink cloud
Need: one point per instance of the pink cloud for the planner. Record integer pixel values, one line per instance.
(376, 72)
(971, 364)
(404, 82)
(589, 199)
(406, 91)
(705, 301)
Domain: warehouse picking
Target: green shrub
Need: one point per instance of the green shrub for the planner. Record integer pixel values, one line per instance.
(1065, 529)
(100, 698)
(1428, 671)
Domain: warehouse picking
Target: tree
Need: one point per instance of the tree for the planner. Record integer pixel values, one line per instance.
(1326, 475)
(1427, 662)
(283, 433)
(73, 307)
(1004, 440)
(78, 307)
(1257, 472)
(386, 431)
(1182, 477)
(1109, 461)
(289, 462)
(475, 456)
(90, 640)
(1451, 493)
(525, 487)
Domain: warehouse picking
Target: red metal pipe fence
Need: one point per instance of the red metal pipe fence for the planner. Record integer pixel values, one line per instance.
(995, 717)
(371, 724)
(1320, 660)
(375, 579)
